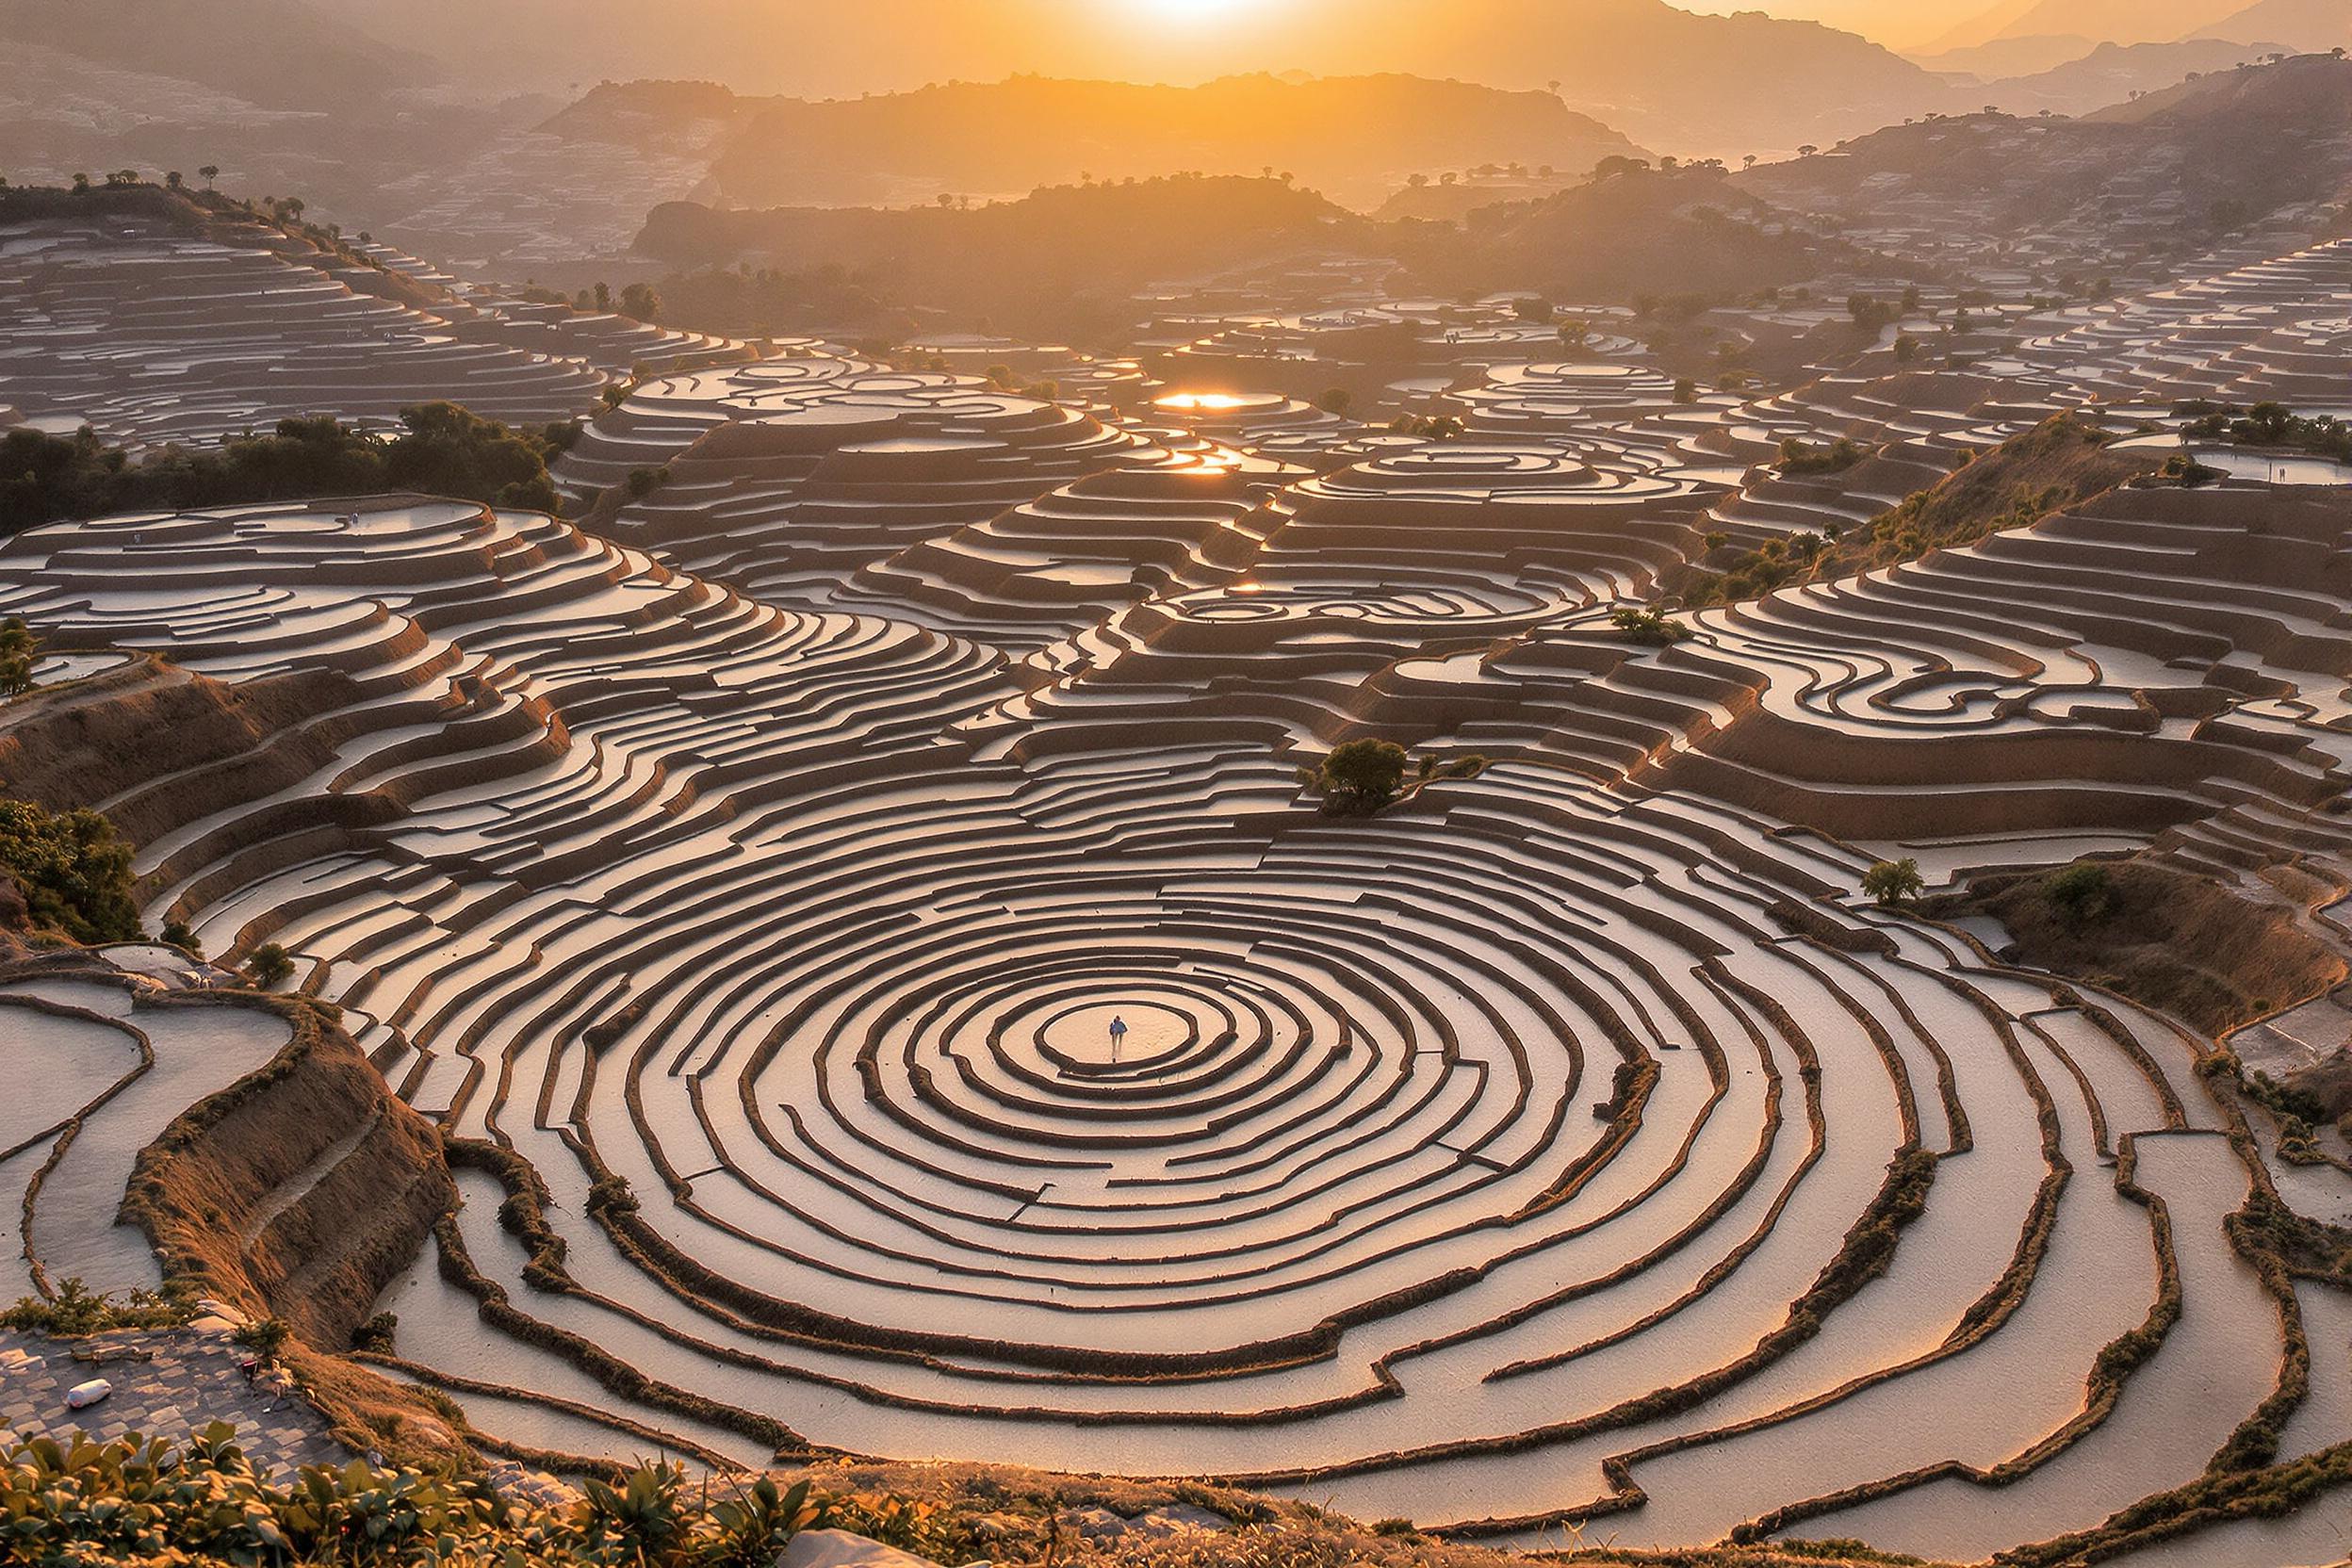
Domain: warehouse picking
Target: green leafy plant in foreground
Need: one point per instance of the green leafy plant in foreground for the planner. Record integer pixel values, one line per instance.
(73, 1310)
(75, 1502)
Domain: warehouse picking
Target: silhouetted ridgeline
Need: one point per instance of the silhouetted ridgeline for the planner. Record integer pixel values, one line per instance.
(2204, 158)
(1633, 232)
(1658, 72)
(1068, 258)
(1051, 257)
(1354, 137)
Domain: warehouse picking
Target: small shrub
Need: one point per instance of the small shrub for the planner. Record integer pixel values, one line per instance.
(270, 965)
(18, 649)
(756, 1526)
(376, 1333)
(901, 1522)
(2082, 892)
(1429, 426)
(72, 1310)
(264, 1336)
(1651, 627)
(2188, 472)
(1359, 777)
(1894, 883)
(1798, 458)
(140, 1501)
(1363, 778)
(2284, 1100)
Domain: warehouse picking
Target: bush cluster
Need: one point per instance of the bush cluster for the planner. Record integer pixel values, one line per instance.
(2082, 892)
(1772, 564)
(18, 647)
(73, 872)
(179, 1506)
(1362, 778)
(73, 1310)
(1798, 458)
(1650, 627)
(2057, 464)
(2268, 425)
(442, 450)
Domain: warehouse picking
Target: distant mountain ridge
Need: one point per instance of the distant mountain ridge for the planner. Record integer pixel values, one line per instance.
(1355, 138)
(2099, 21)
(2113, 73)
(1068, 260)
(2196, 160)
(1666, 77)
(1047, 264)
(2010, 57)
(2314, 26)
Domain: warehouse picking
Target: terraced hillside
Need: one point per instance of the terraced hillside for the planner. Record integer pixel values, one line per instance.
(193, 326)
(746, 879)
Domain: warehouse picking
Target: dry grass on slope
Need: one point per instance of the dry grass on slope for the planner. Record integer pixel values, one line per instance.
(2059, 463)
(2186, 945)
(955, 1512)
(132, 736)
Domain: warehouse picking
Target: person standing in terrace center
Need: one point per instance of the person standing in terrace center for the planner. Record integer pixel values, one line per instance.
(1119, 1034)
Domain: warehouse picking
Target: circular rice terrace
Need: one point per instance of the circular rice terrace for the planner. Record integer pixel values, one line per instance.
(1572, 1144)
(1485, 1164)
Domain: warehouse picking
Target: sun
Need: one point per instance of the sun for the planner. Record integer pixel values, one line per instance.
(1191, 13)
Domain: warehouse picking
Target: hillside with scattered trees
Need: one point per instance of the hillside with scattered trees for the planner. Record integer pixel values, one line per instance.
(1052, 263)
(1354, 137)
(442, 450)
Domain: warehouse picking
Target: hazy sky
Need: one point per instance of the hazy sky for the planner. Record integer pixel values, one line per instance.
(827, 47)
(1893, 21)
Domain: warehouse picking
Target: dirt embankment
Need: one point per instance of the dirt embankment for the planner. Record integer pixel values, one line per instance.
(298, 1191)
(2059, 463)
(157, 747)
(2186, 945)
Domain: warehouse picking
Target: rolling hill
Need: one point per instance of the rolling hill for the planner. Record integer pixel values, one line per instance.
(2010, 57)
(1357, 138)
(1050, 264)
(2195, 160)
(2311, 25)
(2111, 73)
(1689, 232)
(2100, 20)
